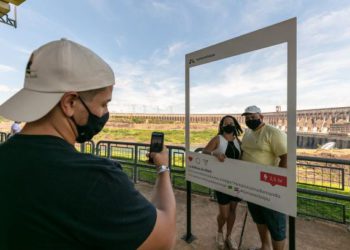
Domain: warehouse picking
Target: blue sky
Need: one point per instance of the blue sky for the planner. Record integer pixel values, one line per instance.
(145, 42)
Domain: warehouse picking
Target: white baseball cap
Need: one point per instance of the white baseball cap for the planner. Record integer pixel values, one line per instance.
(252, 110)
(52, 70)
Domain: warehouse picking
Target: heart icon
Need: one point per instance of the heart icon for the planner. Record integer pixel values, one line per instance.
(190, 158)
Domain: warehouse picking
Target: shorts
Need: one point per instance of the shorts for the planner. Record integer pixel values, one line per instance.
(224, 199)
(275, 221)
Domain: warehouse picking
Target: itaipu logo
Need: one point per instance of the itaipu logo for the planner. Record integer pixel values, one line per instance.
(273, 179)
(30, 73)
(192, 61)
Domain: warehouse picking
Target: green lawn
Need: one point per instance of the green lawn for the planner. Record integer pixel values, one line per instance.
(174, 137)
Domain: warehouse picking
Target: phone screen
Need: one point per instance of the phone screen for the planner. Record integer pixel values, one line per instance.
(157, 141)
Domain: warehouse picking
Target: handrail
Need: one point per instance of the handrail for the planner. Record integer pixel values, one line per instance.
(136, 164)
(4, 136)
(324, 194)
(324, 160)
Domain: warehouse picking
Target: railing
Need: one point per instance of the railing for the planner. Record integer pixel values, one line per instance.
(87, 147)
(325, 174)
(326, 210)
(3, 136)
(322, 182)
(135, 162)
(323, 190)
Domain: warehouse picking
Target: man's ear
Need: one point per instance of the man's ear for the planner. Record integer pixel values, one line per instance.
(261, 117)
(68, 103)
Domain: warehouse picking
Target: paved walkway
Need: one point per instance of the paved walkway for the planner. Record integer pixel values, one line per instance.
(310, 234)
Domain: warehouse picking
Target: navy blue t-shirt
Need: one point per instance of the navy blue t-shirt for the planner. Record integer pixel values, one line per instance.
(53, 197)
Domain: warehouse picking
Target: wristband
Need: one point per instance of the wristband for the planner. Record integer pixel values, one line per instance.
(162, 169)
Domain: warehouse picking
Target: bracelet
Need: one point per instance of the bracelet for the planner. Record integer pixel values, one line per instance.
(162, 169)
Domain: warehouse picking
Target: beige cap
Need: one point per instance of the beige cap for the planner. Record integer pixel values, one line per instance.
(252, 110)
(53, 69)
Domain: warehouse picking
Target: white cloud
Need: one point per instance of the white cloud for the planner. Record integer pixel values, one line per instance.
(323, 66)
(7, 89)
(169, 55)
(323, 80)
(103, 8)
(326, 27)
(230, 85)
(4, 88)
(157, 82)
(23, 50)
(120, 40)
(152, 84)
(53, 28)
(175, 48)
(257, 78)
(257, 13)
(210, 5)
(239, 86)
(5, 68)
(161, 6)
(13, 46)
(333, 95)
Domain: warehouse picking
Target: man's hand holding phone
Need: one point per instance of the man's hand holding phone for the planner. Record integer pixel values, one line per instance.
(161, 158)
(163, 195)
(158, 153)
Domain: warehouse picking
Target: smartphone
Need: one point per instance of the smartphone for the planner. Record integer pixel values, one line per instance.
(157, 142)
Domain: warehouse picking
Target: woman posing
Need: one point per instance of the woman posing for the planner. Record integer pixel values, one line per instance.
(226, 144)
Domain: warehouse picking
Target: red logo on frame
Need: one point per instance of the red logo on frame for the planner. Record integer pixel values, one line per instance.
(274, 179)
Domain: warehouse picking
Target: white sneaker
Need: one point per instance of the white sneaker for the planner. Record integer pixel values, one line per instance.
(231, 243)
(220, 241)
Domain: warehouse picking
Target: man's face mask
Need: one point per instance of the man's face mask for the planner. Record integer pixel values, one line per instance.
(228, 128)
(93, 126)
(253, 124)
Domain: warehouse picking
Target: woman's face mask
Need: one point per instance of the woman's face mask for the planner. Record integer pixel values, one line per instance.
(228, 128)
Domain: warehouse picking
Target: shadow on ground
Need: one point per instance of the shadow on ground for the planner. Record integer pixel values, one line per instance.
(310, 234)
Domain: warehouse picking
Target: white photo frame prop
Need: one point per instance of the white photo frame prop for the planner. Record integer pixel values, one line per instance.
(268, 186)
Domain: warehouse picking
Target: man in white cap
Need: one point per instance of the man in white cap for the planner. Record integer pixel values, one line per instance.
(52, 196)
(267, 145)
(15, 128)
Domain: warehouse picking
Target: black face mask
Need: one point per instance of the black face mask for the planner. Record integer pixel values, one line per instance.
(93, 126)
(253, 124)
(228, 129)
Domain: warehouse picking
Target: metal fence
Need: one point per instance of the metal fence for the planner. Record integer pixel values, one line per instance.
(327, 173)
(87, 147)
(322, 182)
(331, 211)
(3, 137)
(325, 182)
(312, 172)
(135, 161)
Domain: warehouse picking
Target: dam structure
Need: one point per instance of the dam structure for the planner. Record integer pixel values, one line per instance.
(315, 127)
